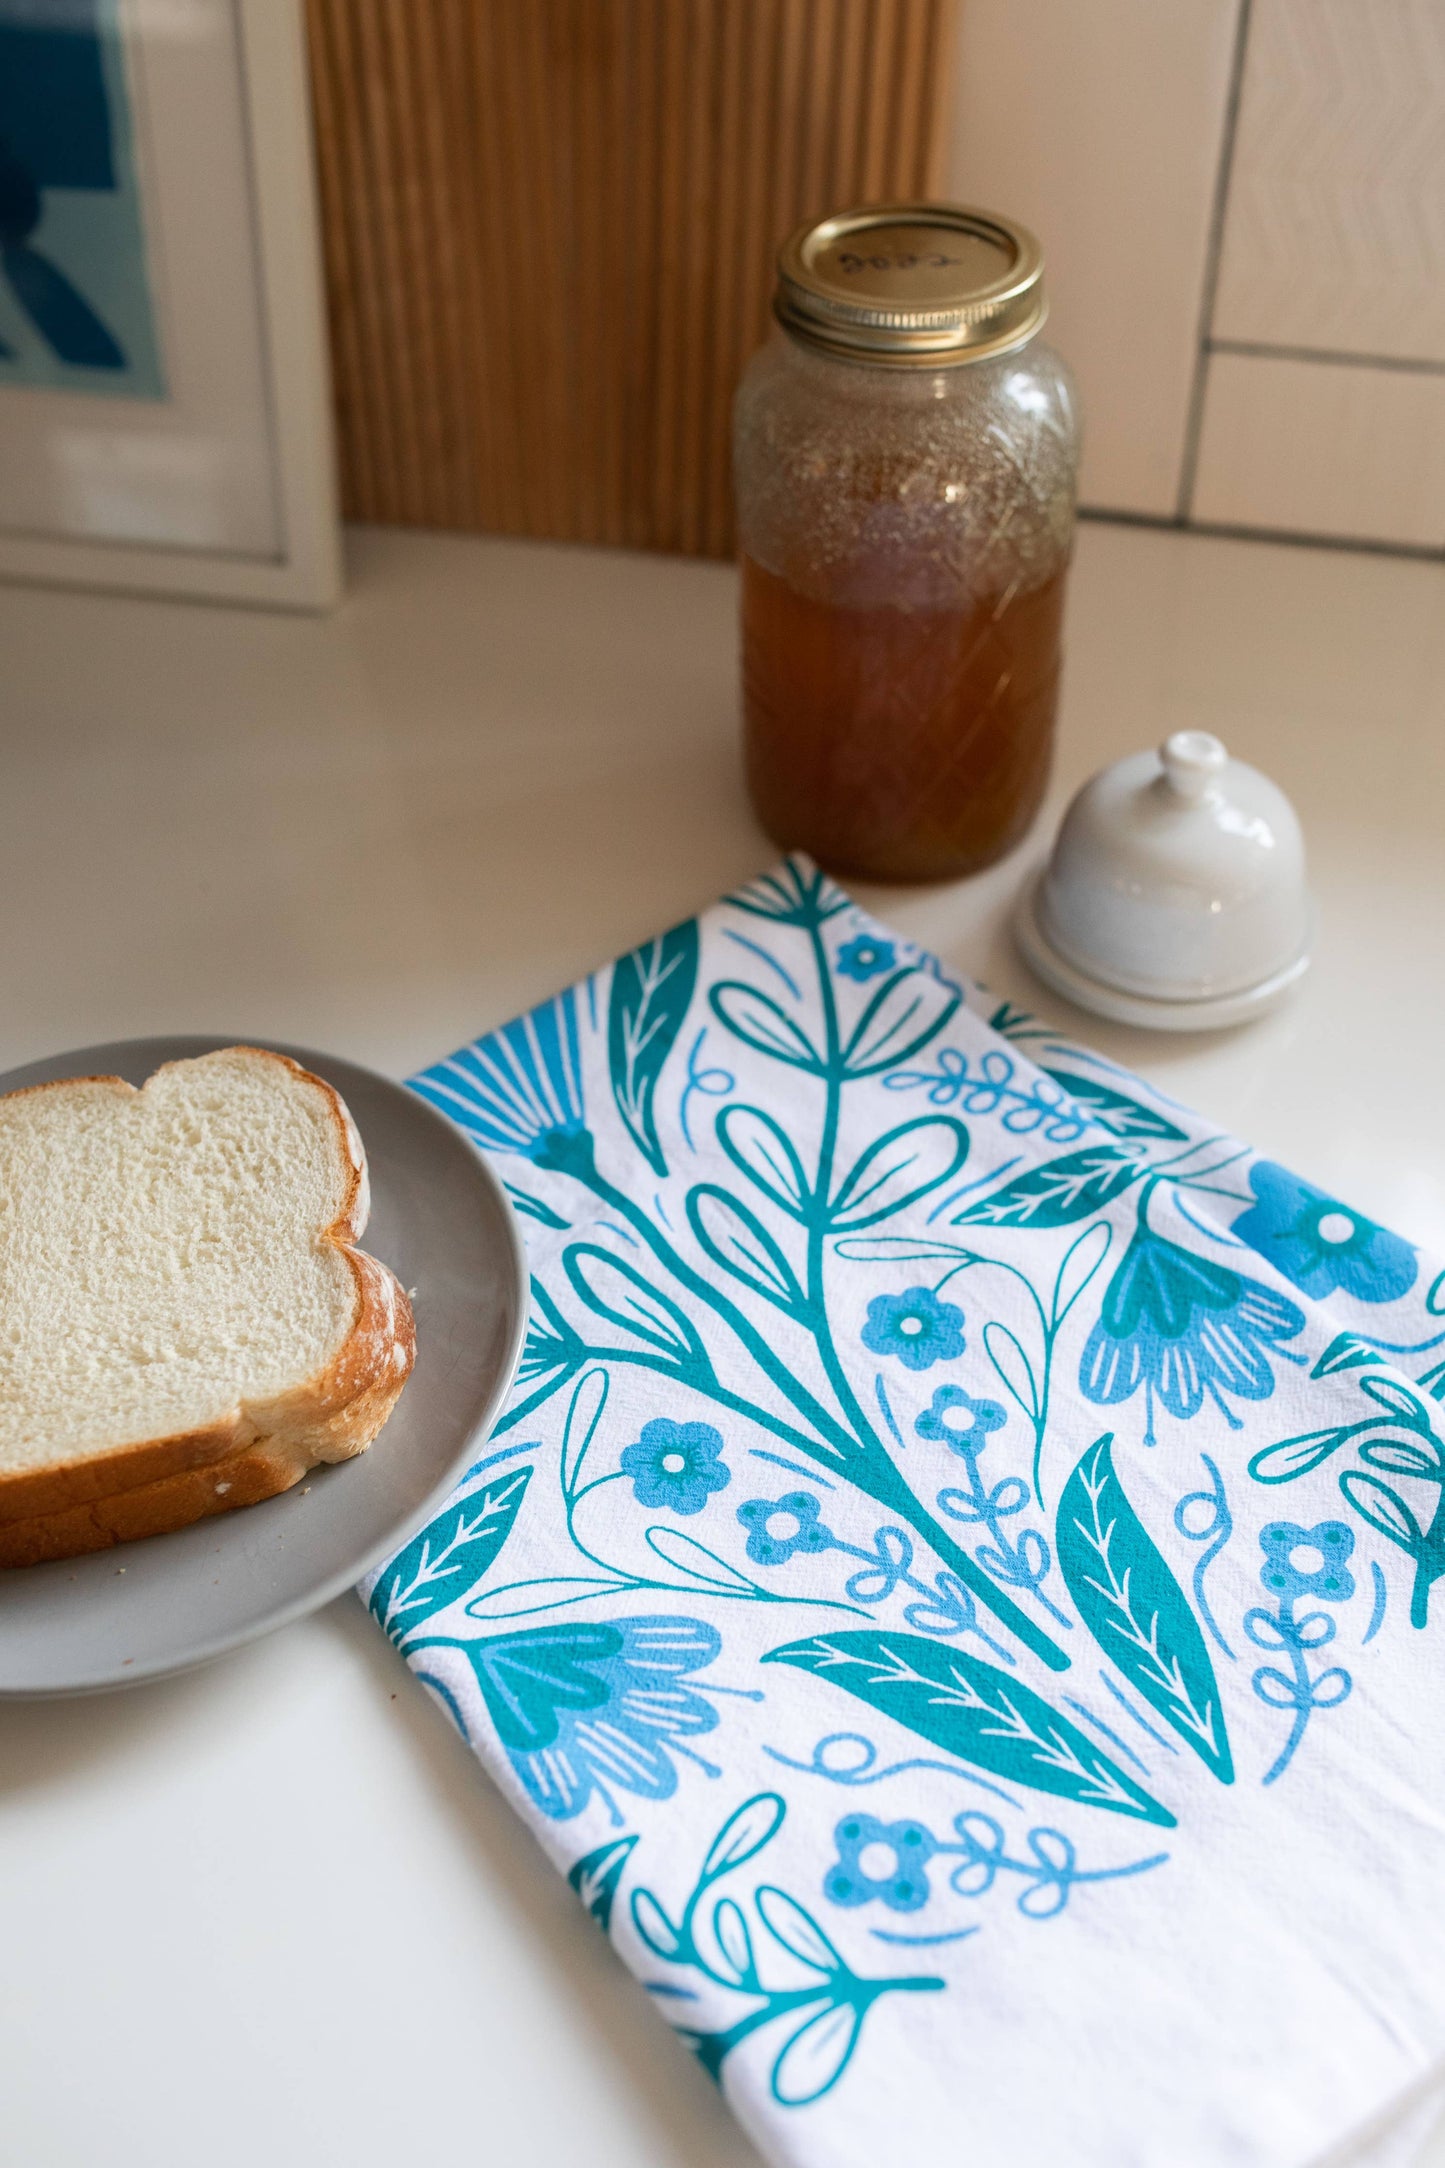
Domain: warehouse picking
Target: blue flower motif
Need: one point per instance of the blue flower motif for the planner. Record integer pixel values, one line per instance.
(1183, 1327)
(1322, 1571)
(1300, 1563)
(1314, 1241)
(519, 1089)
(766, 1547)
(677, 1465)
(865, 957)
(581, 1707)
(969, 1438)
(900, 1881)
(915, 1326)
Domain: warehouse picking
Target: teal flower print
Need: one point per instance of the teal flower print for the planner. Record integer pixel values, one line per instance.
(865, 957)
(583, 1708)
(520, 1089)
(796, 893)
(767, 1545)
(1314, 1241)
(968, 1437)
(1185, 1328)
(1300, 1563)
(916, 1327)
(1308, 1561)
(887, 1860)
(813, 1999)
(551, 1348)
(676, 1465)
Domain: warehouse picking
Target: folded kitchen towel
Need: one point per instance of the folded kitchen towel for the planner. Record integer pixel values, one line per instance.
(954, 1587)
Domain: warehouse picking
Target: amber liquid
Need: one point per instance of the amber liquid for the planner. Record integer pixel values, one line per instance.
(898, 744)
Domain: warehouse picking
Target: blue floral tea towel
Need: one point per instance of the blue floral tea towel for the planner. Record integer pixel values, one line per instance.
(955, 1586)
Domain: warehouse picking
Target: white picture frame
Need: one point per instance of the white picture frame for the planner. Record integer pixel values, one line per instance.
(212, 473)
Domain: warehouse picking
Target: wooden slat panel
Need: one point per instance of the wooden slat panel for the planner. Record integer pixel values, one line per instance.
(550, 228)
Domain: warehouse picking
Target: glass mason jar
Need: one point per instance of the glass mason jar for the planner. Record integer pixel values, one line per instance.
(904, 451)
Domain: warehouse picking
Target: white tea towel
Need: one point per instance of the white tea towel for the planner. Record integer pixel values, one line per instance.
(955, 1585)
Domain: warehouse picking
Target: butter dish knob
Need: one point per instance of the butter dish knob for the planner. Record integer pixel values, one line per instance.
(1194, 762)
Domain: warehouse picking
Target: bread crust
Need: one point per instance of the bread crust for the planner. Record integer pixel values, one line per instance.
(256, 1449)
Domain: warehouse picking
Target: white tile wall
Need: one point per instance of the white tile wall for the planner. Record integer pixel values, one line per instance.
(1097, 122)
(1242, 205)
(1335, 236)
(1319, 449)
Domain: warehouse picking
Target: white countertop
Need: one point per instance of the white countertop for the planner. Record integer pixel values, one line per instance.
(273, 1912)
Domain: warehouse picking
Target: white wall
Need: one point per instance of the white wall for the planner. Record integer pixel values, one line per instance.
(1242, 206)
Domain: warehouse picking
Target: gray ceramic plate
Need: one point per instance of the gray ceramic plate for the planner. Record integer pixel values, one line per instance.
(441, 1220)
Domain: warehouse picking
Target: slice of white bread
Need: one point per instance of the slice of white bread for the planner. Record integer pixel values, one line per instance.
(185, 1324)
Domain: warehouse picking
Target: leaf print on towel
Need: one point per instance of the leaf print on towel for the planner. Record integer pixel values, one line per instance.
(829, 1424)
(1186, 1328)
(1114, 1110)
(651, 992)
(1401, 1440)
(618, 1292)
(908, 1010)
(736, 1240)
(447, 1560)
(596, 1876)
(974, 1711)
(895, 1171)
(757, 1020)
(734, 1958)
(761, 1149)
(582, 1707)
(1023, 1098)
(1347, 1351)
(554, 1352)
(1136, 1610)
(1058, 1192)
(520, 1091)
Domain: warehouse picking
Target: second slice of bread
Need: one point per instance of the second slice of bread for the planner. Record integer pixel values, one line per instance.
(186, 1324)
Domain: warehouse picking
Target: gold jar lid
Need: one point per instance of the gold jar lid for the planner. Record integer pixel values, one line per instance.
(922, 285)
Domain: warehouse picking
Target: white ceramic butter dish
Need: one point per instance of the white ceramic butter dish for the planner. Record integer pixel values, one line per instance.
(1175, 895)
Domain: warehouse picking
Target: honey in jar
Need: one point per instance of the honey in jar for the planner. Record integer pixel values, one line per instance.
(905, 454)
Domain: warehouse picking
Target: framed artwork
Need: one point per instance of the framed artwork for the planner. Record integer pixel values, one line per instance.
(165, 420)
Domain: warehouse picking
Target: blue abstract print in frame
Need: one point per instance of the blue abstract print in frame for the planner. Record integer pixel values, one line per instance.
(76, 300)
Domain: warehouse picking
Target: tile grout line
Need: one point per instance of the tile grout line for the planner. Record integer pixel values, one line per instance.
(1294, 537)
(1265, 350)
(1194, 423)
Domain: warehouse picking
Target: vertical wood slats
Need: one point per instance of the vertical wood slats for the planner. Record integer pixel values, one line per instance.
(550, 228)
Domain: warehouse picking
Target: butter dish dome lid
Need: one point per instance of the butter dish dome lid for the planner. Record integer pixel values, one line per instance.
(1175, 894)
